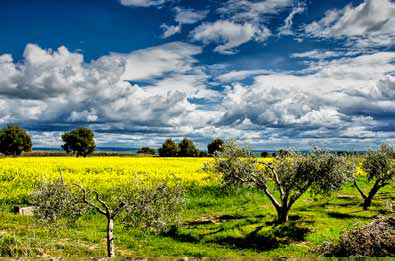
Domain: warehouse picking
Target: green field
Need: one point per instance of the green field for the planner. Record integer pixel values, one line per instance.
(215, 223)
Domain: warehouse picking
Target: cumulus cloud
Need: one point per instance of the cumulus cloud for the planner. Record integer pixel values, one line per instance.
(157, 61)
(57, 86)
(370, 24)
(346, 97)
(243, 21)
(143, 3)
(229, 35)
(170, 30)
(189, 16)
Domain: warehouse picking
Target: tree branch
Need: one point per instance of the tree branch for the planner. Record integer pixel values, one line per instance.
(360, 191)
(299, 194)
(89, 202)
(101, 201)
(271, 197)
(276, 178)
(118, 210)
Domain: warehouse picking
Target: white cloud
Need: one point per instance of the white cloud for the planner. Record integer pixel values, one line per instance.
(338, 98)
(286, 29)
(58, 87)
(189, 16)
(157, 61)
(229, 35)
(347, 100)
(253, 11)
(321, 54)
(170, 30)
(369, 24)
(241, 75)
(143, 3)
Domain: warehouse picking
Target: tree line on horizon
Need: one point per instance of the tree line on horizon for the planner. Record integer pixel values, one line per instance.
(80, 142)
(14, 140)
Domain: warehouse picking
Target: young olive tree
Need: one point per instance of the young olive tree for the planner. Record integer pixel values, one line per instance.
(149, 205)
(380, 169)
(290, 174)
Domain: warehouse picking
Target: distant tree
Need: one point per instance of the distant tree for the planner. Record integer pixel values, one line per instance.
(169, 149)
(149, 206)
(14, 140)
(187, 149)
(292, 173)
(215, 145)
(379, 168)
(264, 154)
(203, 154)
(146, 150)
(79, 141)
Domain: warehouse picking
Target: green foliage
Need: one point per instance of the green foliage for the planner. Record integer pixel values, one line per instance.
(14, 140)
(146, 150)
(233, 164)
(169, 149)
(264, 154)
(322, 172)
(215, 145)
(54, 200)
(153, 207)
(188, 149)
(378, 164)
(379, 167)
(293, 173)
(79, 141)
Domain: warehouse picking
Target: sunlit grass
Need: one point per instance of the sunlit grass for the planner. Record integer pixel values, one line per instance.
(216, 223)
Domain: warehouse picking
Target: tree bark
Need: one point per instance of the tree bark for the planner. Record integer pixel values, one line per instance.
(282, 215)
(366, 203)
(368, 200)
(110, 237)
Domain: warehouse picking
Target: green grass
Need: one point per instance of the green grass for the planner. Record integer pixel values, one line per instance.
(215, 224)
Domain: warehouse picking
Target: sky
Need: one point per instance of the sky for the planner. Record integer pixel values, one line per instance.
(268, 73)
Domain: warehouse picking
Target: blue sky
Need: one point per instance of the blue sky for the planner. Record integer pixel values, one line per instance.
(270, 73)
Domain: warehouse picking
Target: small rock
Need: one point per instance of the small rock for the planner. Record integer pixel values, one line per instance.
(27, 211)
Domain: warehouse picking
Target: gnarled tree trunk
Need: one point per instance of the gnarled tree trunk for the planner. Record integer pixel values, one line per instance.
(110, 237)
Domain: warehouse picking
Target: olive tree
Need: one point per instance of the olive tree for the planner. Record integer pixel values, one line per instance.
(149, 205)
(286, 178)
(380, 169)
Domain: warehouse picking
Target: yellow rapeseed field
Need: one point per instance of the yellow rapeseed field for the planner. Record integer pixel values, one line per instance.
(19, 176)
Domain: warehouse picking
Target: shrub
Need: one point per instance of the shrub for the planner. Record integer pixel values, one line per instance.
(146, 150)
(376, 239)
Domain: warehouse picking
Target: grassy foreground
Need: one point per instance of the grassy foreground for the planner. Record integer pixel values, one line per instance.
(215, 223)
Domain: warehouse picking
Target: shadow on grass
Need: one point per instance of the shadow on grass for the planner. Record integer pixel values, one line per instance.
(215, 220)
(261, 238)
(345, 216)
